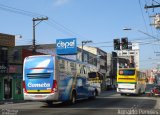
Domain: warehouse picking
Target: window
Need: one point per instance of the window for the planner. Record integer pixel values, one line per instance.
(16, 55)
(92, 75)
(61, 64)
(126, 72)
(4, 56)
(79, 82)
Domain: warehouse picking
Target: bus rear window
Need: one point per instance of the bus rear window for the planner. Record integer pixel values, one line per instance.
(126, 72)
(92, 75)
(39, 62)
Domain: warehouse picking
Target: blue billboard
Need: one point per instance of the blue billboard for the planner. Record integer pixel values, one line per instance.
(66, 46)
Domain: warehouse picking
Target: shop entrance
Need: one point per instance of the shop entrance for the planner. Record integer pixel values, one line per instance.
(7, 88)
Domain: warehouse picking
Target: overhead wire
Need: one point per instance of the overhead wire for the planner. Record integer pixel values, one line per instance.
(156, 2)
(51, 22)
(143, 16)
(61, 28)
(19, 11)
(151, 27)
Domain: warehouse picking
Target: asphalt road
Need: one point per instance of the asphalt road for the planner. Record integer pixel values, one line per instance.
(108, 103)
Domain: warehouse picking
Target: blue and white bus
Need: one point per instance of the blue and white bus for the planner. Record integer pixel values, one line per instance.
(52, 78)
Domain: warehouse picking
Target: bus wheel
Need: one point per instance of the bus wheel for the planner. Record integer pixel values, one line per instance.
(139, 92)
(94, 93)
(123, 94)
(49, 103)
(73, 98)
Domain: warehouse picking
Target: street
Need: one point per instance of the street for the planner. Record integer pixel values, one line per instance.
(109, 102)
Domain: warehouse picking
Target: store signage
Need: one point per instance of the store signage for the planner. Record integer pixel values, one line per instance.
(3, 69)
(66, 46)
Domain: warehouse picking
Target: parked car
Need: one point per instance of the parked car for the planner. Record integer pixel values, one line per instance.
(156, 90)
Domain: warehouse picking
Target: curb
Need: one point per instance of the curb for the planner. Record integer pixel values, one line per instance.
(12, 101)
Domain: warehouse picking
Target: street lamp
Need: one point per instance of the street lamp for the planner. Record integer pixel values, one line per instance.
(141, 32)
(18, 36)
(83, 43)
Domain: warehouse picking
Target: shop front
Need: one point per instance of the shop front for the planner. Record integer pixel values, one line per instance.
(11, 83)
(15, 73)
(3, 76)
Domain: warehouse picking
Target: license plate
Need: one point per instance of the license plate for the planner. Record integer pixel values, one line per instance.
(38, 96)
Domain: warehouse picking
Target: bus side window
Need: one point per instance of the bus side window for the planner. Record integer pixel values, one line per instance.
(79, 82)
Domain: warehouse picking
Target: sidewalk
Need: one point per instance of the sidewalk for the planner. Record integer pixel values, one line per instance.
(11, 101)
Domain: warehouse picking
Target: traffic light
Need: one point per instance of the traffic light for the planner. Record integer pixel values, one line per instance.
(124, 42)
(116, 44)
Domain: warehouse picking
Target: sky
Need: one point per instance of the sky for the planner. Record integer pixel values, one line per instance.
(98, 20)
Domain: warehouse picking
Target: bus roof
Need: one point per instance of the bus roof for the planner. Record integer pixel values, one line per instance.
(60, 57)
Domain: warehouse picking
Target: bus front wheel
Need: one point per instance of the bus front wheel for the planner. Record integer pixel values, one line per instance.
(73, 98)
(49, 103)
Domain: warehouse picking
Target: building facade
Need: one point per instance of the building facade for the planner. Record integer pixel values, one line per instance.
(131, 54)
(10, 69)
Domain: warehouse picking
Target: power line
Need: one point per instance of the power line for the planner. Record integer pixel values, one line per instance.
(52, 22)
(154, 47)
(156, 2)
(19, 11)
(143, 16)
(63, 31)
(67, 29)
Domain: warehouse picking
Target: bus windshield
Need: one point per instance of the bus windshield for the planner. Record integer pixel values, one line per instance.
(39, 62)
(126, 72)
(92, 75)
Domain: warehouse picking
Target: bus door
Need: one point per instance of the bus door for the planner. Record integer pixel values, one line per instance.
(85, 87)
(82, 89)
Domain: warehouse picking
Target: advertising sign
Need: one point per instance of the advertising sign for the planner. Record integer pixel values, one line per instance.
(66, 46)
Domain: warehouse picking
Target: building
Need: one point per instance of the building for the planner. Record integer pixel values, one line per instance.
(10, 69)
(131, 54)
(113, 63)
(101, 57)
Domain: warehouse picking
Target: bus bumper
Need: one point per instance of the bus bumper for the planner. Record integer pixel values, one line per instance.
(127, 91)
(41, 97)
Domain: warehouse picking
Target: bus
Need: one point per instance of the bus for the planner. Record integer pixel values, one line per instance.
(130, 81)
(51, 78)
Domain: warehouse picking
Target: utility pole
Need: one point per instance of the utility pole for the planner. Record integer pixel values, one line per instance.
(152, 6)
(156, 22)
(34, 25)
